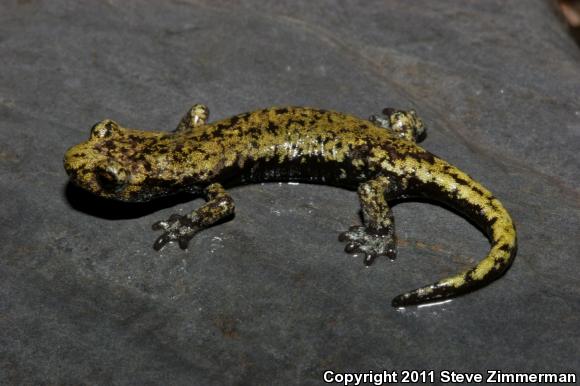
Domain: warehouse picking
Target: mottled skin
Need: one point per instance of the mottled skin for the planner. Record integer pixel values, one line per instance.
(378, 157)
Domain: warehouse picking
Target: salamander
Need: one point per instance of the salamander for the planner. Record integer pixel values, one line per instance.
(379, 157)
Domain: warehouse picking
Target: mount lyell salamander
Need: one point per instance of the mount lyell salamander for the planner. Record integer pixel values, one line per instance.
(379, 157)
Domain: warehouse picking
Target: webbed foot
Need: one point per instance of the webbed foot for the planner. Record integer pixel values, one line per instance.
(177, 228)
(405, 124)
(362, 240)
(182, 228)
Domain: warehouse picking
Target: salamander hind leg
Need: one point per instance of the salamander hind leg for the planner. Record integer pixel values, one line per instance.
(377, 236)
(404, 124)
(182, 228)
(197, 115)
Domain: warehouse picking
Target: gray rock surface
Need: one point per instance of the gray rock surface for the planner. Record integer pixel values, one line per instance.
(270, 297)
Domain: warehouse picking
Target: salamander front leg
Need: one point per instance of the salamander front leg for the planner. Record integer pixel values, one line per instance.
(377, 236)
(182, 228)
(197, 115)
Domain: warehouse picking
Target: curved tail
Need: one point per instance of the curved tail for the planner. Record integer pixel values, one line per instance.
(450, 186)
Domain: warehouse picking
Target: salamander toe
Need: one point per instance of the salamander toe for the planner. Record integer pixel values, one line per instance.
(361, 241)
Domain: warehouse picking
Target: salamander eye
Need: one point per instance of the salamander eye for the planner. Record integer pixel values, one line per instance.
(104, 129)
(111, 177)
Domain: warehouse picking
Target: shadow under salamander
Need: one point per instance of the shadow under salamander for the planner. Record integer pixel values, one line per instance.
(86, 202)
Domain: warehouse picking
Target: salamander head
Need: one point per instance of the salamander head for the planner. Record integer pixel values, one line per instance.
(120, 163)
(407, 123)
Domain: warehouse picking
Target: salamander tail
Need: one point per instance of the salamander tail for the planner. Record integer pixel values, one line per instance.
(459, 191)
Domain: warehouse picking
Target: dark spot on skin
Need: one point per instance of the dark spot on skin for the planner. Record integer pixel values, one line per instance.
(218, 132)
(461, 181)
(393, 153)
(136, 139)
(505, 248)
(205, 137)
(423, 156)
(148, 150)
(272, 128)
(299, 122)
(478, 191)
(234, 120)
(281, 111)
(468, 277)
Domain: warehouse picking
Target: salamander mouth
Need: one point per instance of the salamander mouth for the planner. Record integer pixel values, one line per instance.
(85, 180)
(104, 184)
